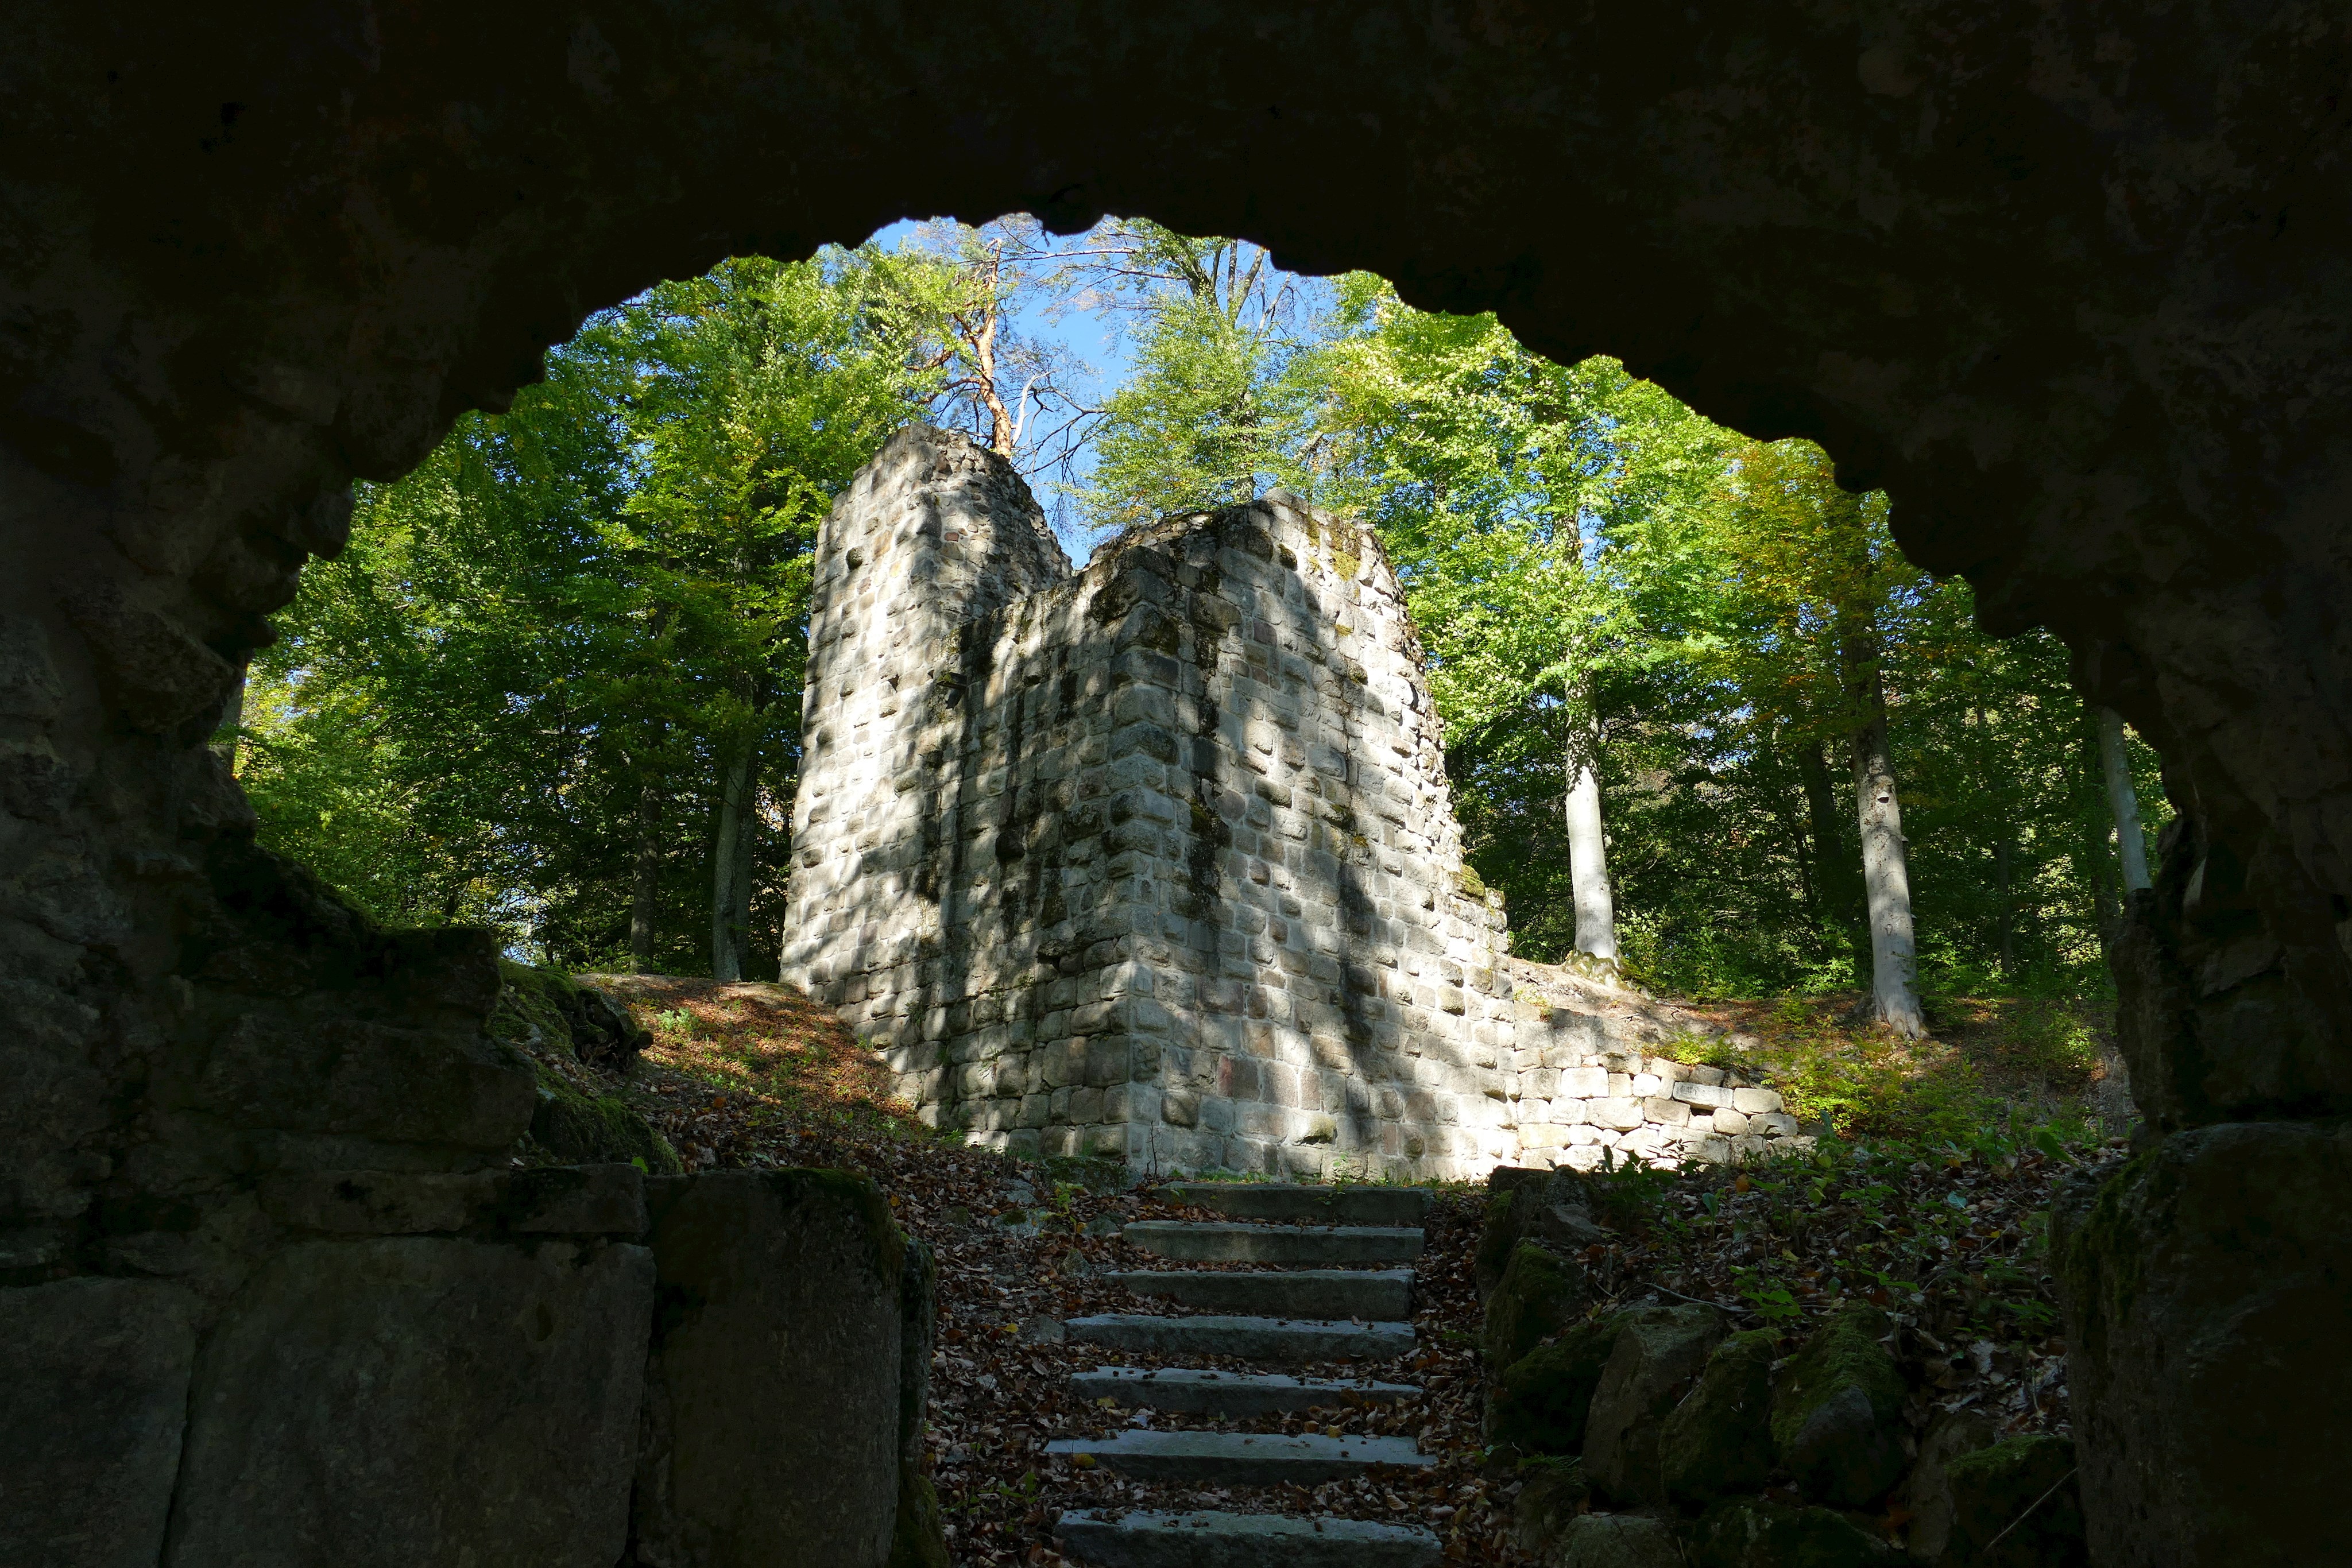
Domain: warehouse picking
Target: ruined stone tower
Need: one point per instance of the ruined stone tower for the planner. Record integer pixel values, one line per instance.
(1153, 860)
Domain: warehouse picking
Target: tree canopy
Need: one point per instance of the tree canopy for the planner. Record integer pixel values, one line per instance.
(556, 657)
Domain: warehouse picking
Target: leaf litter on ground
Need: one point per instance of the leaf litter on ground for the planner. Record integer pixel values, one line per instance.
(1949, 1242)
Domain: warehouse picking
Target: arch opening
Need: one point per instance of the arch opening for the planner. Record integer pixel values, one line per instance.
(2082, 333)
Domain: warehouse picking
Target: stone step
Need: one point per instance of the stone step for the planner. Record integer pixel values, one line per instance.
(1231, 1393)
(1224, 1241)
(1141, 1540)
(1330, 1205)
(1252, 1339)
(1369, 1293)
(1243, 1458)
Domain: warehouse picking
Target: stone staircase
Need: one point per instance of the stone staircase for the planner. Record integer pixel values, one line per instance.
(1330, 1283)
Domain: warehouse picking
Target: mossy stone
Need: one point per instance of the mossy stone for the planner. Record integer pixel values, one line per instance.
(1552, 1493)
(1837, 1415)
(1539, 1404)
(1496, 1237)
(1719, 1441)
(534, 1006)
(549, 1010)
(1094, 1172)
(1540, 1295)
(580, 1130)
(2026, 1486)
(920, 1538)
(1657, 1358)
(1617, 1540)
(1753, 1533)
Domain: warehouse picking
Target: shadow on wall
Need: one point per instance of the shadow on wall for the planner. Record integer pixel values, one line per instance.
(1154, 859)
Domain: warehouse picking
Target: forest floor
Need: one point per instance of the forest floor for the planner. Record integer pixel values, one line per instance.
(1936, 1218)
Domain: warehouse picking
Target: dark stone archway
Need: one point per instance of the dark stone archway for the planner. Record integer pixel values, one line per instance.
(2074, 283)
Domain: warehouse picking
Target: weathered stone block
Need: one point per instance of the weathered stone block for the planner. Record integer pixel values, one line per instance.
(93, 1405)
(1837, 1413)
(1619, 1115)
(1659, 1354)
(417, 1399)
(774, 1420)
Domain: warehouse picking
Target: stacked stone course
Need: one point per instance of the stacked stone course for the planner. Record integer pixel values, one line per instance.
(1156, 859)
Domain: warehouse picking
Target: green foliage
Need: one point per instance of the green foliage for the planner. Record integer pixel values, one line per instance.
(1575, 542)
(1213, 414)
(509, 700)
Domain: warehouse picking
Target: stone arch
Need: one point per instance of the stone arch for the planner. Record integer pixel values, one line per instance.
(2067, 283)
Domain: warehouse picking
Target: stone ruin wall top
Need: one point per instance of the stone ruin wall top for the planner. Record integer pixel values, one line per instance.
(1157, 859)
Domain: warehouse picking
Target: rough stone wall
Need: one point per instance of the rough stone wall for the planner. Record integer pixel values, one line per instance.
(1158, 860)
(1586, 1085)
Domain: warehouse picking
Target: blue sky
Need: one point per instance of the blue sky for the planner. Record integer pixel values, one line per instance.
(1092, 337)
(1096, 339)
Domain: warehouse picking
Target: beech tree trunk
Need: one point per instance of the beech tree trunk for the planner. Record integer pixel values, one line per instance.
(645, 892)
(2123, 801)
(729, 868)
(1885, 870)
(1588, 854)
(1841, 889)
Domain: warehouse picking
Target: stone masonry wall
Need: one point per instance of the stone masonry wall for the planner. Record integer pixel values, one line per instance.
(1156, 859)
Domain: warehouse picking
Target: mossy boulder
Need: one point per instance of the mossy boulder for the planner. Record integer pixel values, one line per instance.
(581, 1129)
(1497, 1235)
(1837, 1415)
(1658, 1356)
(548, 1009)
(1539, 1404)
(1926, 1492)
(1552, 1209)
(1617, 1540)
(1540, 1294)
(1753, 1533)
(1552, 1493)
(1719, 1441)
(2026, 1486)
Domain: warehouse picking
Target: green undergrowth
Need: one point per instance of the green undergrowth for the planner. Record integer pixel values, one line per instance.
(1954, 1226)
(1984, 1061)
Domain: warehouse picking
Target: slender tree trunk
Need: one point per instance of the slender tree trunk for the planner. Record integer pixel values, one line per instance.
(645, 895)
(1588, 852)
(2103, 898)
(747, 843)
(2002, 856)
(225, 746)
(726, 853)
(1885, 871)
(1841, 888)
(2123, 801)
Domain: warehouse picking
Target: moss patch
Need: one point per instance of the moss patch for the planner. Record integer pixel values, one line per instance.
(1539, 1296)
(534, 1007)
(1719, 1441)
(920, 1538)
(2025, 1487)
(1758, 1535)
(1539, 1404)
(573, 1128)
